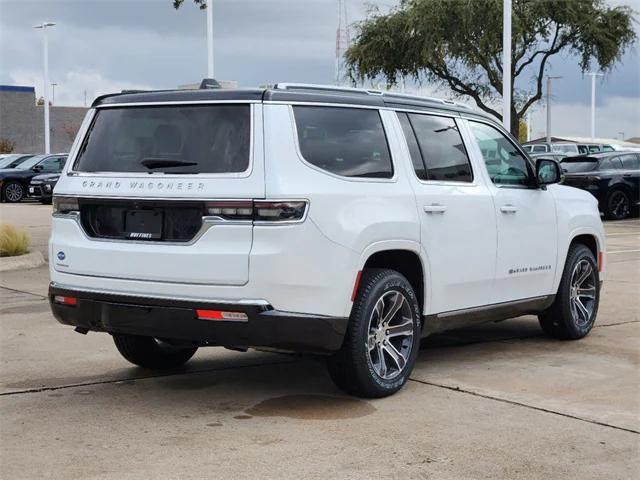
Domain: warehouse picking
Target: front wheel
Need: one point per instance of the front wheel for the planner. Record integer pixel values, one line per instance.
(383, 338)
(13, 192)
(574, 310)
(148, 352)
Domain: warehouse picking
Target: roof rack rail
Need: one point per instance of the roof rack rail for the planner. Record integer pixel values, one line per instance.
(409, 96)
(365, 91)
(326, 88)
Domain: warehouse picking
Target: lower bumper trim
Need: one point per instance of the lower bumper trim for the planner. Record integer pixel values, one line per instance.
(177, 320)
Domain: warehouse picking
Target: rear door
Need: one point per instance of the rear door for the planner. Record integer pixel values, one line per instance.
(458, 229)
(164, 193)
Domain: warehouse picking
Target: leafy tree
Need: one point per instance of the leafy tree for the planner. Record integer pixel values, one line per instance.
(202, 4)
(458, 44)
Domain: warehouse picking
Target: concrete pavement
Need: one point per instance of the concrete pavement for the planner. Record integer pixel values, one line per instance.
(494, 401)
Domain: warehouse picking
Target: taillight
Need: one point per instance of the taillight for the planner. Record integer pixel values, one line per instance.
(231, 210)
(267, 211)
(65, 205)
(284, 211)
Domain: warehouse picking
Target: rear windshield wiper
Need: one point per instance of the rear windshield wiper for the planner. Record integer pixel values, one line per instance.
(152, 163)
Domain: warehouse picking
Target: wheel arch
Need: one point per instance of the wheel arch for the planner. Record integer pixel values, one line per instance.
(403, 257)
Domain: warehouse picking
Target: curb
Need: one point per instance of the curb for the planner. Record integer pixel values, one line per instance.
(22, 262)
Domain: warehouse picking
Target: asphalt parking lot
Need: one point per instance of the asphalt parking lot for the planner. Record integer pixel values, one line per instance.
(496, 401)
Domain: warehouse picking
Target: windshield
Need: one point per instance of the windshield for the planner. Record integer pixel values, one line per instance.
(6, 160)
(30, 162)
(168, 139)
(569, 165)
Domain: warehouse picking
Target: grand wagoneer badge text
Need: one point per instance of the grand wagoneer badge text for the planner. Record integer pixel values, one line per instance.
(174, 186)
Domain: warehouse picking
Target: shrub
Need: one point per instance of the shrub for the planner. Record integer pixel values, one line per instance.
(13, 241)
(6, 145)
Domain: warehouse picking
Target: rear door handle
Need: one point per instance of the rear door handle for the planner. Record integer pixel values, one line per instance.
(508, 209)
(435, 208)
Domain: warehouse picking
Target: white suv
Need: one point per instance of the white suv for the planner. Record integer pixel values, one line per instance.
(349, 223)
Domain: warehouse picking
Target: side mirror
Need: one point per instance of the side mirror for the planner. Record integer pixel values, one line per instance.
(548, 171)
(37, 168)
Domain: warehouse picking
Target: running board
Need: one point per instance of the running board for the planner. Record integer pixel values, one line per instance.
(444, 321)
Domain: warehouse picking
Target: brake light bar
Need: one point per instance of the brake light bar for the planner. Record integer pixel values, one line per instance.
(259, 210)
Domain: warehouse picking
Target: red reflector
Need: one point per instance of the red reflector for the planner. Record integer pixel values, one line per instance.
(600, 261)
(356, 285)
(72, 301)
(221, 315)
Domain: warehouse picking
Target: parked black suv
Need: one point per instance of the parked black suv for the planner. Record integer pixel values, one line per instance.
(612, 177)
(14, 182)
(41, 187)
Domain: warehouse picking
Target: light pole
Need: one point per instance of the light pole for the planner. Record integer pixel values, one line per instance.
(549, 107)
(209, 10)
(506, 64)
(53, 93)
(593, 76)
(47, 141)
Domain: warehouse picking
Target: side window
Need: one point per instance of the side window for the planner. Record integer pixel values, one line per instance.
(611, 164)
(414, 149)
(345, 141)
(50, 164)
(539, 149)
(607, 148)
(505, 164)
(442, 149)
(630, 161)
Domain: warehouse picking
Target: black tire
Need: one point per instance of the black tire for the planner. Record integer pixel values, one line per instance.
(617, 205)
(147, 352)
(13, 192)
(563, 320)
(356, 367)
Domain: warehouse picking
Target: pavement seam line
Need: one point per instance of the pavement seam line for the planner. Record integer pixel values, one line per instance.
(22, 291)
(106, 382)
(519, 404)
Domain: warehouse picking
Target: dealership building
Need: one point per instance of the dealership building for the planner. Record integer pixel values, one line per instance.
(22, 121)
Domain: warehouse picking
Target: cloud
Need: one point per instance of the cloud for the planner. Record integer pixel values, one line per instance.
(614, 115)
(105, 45)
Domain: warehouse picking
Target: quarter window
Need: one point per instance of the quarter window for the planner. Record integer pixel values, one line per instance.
(345, 141)
(442, 151)
(505, 164)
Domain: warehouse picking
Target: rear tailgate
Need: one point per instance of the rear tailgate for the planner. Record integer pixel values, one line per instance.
(158, 225)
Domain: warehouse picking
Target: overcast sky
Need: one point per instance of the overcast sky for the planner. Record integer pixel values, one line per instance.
(103, 46)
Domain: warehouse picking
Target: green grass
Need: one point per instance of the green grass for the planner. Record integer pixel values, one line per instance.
(13, 241)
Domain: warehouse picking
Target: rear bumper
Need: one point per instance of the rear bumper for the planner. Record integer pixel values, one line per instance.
(177, 320)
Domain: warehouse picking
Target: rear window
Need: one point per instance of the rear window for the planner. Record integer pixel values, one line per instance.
(169, 139)
(345, 141)
(441, 148)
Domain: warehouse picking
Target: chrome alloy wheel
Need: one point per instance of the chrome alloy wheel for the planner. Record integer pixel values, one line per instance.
(582, 296)
(13, 192)
(390, 338)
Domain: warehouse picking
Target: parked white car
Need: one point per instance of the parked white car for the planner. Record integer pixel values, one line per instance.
(344, 222)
